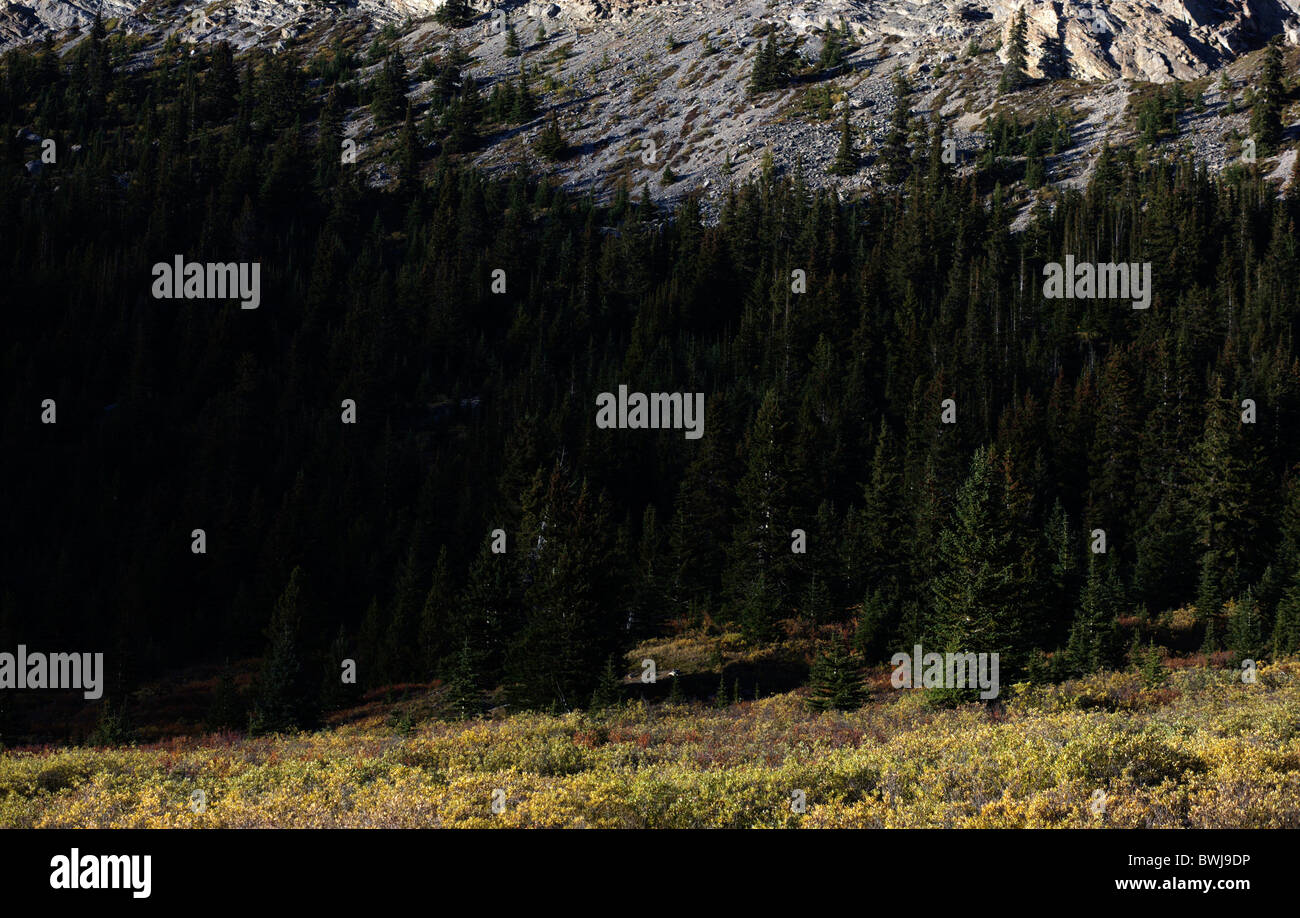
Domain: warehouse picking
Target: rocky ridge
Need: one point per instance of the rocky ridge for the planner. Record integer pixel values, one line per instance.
(640, 86)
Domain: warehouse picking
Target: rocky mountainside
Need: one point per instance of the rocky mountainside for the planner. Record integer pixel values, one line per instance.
(644, 87)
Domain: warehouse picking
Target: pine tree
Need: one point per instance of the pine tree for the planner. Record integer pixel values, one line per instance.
(609, 690)
(1094, 634)
(646, 609)
(400, 649)
(763, 76)
(512, 41)
(388, 91)
(463, 135)
(284, 698)
(1266, 117)
(228, 711)
(455, 13)
(1227, 503)
(408, 164)
(846, 157)
(1151, 666)
(464, 683)
(437, 617)
(832, 54)
(550, 143)
(1013, 74)
(985, 589)
(760, 557)
(335, 693)
(572, 596)
(525, 109)
(675, 691)
(1286, 628)
(1245, 632)
(836, 681)
(894, 153)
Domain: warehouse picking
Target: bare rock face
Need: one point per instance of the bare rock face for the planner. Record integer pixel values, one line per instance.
(1160, 41)
(28, 19)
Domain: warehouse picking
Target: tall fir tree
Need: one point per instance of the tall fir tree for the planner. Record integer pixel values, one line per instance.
(1014, 76)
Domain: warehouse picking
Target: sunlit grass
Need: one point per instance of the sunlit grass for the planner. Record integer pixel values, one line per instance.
(1206, 750)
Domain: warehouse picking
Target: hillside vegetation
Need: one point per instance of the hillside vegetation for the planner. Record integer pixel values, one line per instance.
(1201, 750)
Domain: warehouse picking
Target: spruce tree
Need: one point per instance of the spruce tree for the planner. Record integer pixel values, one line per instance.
(760, 557)
(437, 617)
(836, 681)
(550, 143)
(1227, 503)
(525, 109)
(455, 13)
(985, 591)
(388, 99)
(894, 154)
(284, 697)
(464, 694)
(846, 157)
(1245, 632)
(763, 76)
(1013, 74)
(573, 593)
(1266, 116)
(1094, 634)
(609, 690)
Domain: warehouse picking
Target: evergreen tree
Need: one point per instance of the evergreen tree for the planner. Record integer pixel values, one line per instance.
(1014, 75)
(1266, 116)
(571, 595)
(437, 617)
(388, 91)
(846, 158)
(836, 681)
(464, 695)
(408, 164)
(609, 690)
(1094, 634)
(894, 153)
(525, 109)
(284, 697)
(460, 119)
(1151, 666)
(762, 77)
(773, 66)
(228, 711)
(985, 590)
(1245, 632)
(760, 567)
(1227, 503)
(832, 53)
(335, 693)
(455, 13)
(550, 143)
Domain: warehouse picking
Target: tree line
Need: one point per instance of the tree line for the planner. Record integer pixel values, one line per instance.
(475, 408)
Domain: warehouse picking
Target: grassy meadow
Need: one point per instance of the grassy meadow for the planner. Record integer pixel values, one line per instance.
(1201, 750)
